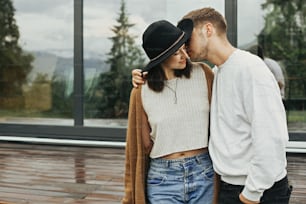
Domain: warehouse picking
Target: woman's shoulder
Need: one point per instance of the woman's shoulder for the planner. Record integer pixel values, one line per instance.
(205, 67)
(135, 96)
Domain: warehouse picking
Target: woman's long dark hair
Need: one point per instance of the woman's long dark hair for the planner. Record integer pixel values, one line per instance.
(156, 76)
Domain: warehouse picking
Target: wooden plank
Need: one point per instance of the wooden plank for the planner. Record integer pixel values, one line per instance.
(33, 173)
(58, 174)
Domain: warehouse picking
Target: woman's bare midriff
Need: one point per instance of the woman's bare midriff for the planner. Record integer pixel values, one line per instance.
(189, 153)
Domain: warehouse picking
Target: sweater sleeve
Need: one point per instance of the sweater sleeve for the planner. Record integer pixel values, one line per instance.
(136, 159)
(130, 152)
(266, 116)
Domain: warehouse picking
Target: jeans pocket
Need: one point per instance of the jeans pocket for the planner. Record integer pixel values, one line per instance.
(278, 198)
(155, 181)
(208, 173)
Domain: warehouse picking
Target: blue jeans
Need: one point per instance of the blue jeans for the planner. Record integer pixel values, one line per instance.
(186, 180)
(279, 193)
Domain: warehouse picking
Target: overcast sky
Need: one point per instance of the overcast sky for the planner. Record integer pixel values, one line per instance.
(48, 24)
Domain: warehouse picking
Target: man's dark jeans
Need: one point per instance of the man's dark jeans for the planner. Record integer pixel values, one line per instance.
(279, 193)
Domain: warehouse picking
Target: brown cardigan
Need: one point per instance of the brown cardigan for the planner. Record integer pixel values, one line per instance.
(136, 162)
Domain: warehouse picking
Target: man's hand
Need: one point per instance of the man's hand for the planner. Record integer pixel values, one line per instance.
(246, 201)
(138, 77)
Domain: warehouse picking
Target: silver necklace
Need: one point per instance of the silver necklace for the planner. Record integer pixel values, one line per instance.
(173, 90)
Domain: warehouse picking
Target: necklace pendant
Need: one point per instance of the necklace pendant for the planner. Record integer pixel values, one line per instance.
(173, 90)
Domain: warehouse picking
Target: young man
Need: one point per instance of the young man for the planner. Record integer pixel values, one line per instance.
(248, 121)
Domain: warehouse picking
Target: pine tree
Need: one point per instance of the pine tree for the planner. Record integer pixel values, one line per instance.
(115, 86)
(15, 64)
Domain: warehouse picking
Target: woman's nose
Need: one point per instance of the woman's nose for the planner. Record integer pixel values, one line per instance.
(184, 53)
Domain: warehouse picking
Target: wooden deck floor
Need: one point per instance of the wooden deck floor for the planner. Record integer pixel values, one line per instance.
(44, 174)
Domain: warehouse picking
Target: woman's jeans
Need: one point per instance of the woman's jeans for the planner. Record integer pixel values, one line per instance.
(187, 180)
(279, 193)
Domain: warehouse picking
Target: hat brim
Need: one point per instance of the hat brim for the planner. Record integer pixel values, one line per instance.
(187, 29)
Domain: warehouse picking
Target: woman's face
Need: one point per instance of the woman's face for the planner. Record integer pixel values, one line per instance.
(176, 61)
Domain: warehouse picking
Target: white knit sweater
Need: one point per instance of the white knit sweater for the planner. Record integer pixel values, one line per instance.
(248, 125)
(182, 126)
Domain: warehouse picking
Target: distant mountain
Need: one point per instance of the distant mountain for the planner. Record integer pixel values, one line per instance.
(56, 67)
(44, 63)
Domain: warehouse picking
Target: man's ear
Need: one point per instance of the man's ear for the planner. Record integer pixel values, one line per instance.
(208, 29)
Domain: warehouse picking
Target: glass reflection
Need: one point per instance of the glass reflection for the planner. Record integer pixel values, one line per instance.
(36, 62)
(112, 48)
(279, 28)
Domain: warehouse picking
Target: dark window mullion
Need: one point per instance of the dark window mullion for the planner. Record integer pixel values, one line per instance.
(78, 108)
(231, 18)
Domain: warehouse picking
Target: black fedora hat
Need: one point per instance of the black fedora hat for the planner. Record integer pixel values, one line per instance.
(184, 24)
(162, 39)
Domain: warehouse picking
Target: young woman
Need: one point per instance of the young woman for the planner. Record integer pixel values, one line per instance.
(167, 159)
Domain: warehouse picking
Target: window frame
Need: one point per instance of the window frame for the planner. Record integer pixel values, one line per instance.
(81, 132)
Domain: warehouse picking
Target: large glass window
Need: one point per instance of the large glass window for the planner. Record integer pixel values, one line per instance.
(36, 62)
(278, 28)
(39, 39)
(112, 48)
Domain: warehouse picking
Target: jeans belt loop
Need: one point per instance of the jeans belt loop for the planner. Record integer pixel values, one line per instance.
(198, 160)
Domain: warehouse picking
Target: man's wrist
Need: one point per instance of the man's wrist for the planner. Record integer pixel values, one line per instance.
(251, 195)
